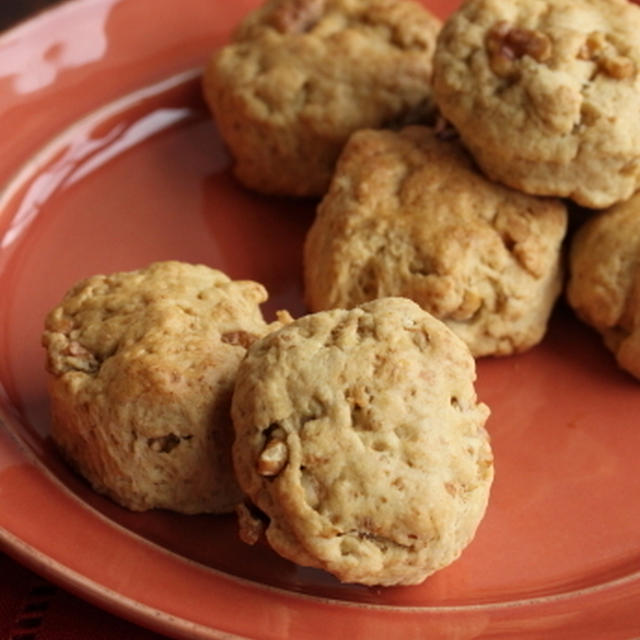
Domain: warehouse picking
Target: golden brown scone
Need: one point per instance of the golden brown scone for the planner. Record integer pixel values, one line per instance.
(142, 369)
(359, 435)
(408, 215)
(604, 282)
(546, 94)
(301, 75)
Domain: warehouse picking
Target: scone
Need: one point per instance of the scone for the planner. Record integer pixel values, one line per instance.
(359, 435)
(408, 214)
(301, 75)
(546, 94)
(604, 283)
(142, 368)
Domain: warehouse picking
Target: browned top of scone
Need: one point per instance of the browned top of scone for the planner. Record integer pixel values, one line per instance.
(307, 73)
(162, 311)
(142, 368)
(604, 282)
(359, 433)
(546, 93)
(409, 214)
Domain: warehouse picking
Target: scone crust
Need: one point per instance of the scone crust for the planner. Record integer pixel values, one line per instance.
(546, 94)
(359, 434)
(604, 282)
(301, 75)
(142, 368)
(408, 214)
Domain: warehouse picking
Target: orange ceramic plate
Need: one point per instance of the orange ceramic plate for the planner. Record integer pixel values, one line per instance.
(109, 161)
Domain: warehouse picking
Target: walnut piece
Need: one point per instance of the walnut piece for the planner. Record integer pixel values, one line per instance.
(506, 43)
(444, 130)
(163, 444)
(596, 49)
(273, 458)
(297, 16)
(618, 67)
(593, 46)
(239, 338)
(250, 527)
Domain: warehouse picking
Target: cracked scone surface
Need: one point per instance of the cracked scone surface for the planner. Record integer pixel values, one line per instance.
(546, 94)
(142, 368)
(604, 282)
(359, 435)
(300, 75)
(408, 214)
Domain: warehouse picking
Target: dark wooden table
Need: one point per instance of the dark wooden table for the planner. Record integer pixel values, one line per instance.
(12, 11)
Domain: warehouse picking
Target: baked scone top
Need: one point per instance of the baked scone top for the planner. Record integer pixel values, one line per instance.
(546, 93)
(335, 64)
(143, 365)
(409, 214)
(164, 310)
(360, 435)
(604, 283)
(300, 75)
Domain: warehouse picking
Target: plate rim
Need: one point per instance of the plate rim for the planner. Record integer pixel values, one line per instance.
(95, 592)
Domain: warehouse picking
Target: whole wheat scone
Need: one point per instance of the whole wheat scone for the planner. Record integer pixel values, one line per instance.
(301, 75)
(142, 368)
(546, 94)
(407, 214)
(359, 435)
(604, 282)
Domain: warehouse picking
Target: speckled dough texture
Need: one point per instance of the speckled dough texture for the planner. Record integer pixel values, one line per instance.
(408, 214)
(546, 94)
(359, 435)
(142, 368)
(604, 283)
(300, 75)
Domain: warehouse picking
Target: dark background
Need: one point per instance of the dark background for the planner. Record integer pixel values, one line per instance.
(12, 11)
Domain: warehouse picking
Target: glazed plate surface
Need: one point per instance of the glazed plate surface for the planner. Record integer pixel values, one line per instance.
(109, 162)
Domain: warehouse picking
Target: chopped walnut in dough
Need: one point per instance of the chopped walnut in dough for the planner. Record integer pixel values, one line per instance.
(597, 49)
(506, 43)
(273, 458)
(297, 16)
